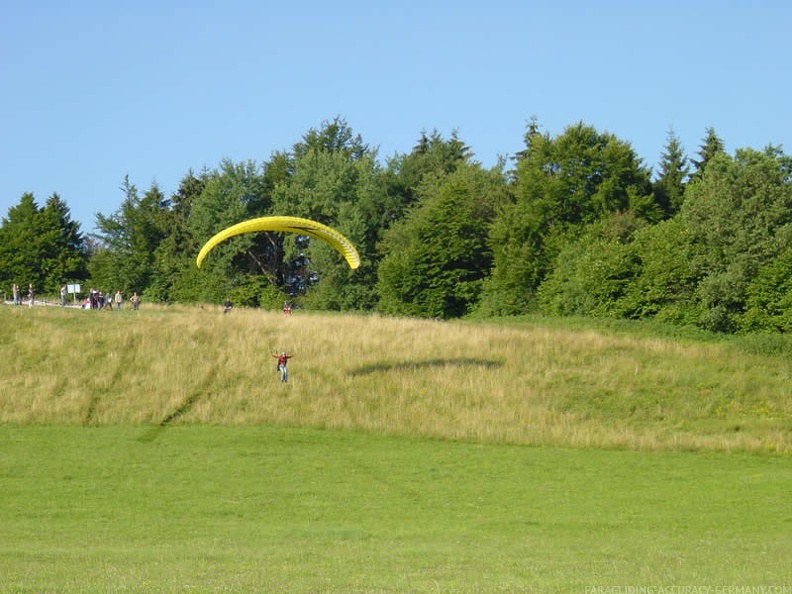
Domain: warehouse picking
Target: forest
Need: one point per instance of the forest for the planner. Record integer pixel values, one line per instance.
(572, 225)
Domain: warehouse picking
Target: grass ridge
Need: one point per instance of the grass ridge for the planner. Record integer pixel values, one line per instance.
(532, 381)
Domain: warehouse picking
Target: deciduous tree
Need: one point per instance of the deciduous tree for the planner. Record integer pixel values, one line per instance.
(562, 184)
(437, 257)
(740, 220)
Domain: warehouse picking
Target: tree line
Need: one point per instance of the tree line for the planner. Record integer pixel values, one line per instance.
(573, 224)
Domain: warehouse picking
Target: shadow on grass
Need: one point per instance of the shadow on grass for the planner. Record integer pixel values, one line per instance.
(183, 408)
(130, 346)
(422, 365)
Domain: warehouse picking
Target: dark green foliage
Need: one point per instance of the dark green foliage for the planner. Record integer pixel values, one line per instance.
(125, 253)
(63, 252)
(722, 263)
(674, 171)
(437, 258)
(665, 285)
(329, 180)
(229, 195)
(332, 137)
(176, 277)
(592, 276)
(577, 228)
(394, 190)
(711, 145)
(232, 194)
(740, 220)
(396, 186)
(623, 267)
(768, 297)
(562, 185)
(18, 243)
(42, 246)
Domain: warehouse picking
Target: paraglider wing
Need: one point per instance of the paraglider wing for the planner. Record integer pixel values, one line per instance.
(289, 225)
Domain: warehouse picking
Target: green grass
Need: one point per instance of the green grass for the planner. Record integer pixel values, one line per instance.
(243, 509)
(155, 451)
(530, 382)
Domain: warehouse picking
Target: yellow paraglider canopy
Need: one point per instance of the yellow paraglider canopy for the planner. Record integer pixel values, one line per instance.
(288, 225)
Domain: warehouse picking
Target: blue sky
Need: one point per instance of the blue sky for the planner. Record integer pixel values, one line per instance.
(94, 91)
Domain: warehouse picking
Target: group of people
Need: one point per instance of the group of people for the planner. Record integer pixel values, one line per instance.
(16, 293)
(96, 299)
(105, 300)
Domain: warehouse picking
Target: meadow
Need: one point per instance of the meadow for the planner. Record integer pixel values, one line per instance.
(529, 382)
(156, 451)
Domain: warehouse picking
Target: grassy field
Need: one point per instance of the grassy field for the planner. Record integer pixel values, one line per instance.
(528, 383)
(156, 451)
(269, 509)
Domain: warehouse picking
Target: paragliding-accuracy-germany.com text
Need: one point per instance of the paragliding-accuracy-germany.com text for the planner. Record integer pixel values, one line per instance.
(786, 589)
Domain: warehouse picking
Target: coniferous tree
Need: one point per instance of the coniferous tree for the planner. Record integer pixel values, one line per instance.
(42, 246)
(62, 250)
(127, 241)
(674, 172)
(532, 130)
(711, 145)
(19, 246)
(176, 277)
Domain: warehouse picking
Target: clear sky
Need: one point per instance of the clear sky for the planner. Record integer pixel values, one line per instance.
(92, 91)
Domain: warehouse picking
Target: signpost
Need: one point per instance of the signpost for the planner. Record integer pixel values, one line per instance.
(73, 289)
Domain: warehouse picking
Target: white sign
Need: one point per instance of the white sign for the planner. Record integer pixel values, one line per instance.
(73, 288)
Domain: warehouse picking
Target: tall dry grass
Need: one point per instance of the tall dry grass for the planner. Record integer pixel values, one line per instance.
(489, 383)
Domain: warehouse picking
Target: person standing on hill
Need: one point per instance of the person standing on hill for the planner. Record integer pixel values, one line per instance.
(283, 359)
(119, 299)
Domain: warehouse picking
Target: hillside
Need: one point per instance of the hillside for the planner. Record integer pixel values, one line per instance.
(524, 382)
